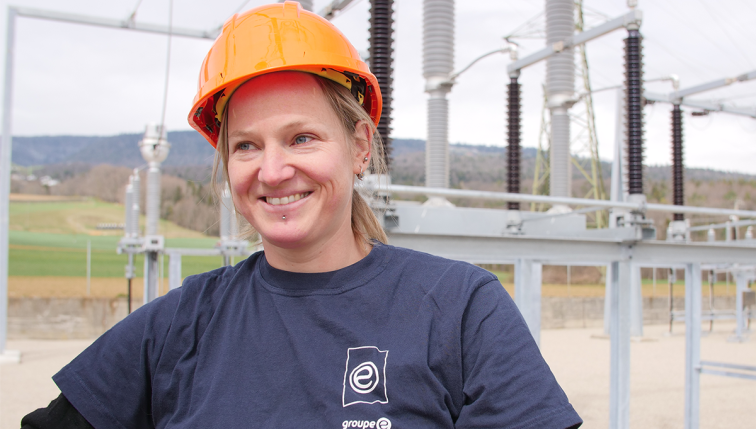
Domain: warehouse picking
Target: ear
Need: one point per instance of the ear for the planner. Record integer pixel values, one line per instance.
(363, 136)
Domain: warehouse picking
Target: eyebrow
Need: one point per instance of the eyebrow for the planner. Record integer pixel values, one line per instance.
(246, 132)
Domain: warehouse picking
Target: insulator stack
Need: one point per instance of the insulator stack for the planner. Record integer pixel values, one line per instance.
(128, 203)
(678, 183)
(135, 203)
(513, 141)
(560, 91)
(634, 111)
(153, 200)
(438, 64)
(381, 64)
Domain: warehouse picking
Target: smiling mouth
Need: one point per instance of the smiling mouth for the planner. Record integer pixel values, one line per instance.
(286, 200)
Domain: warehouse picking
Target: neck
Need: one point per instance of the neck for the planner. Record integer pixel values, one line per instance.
(336, 253)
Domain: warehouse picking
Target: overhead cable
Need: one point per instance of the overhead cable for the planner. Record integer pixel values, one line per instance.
(167, 67)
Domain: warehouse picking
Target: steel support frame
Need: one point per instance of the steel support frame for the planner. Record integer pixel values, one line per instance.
(7, 136)
(623, 258)
(741, 285)
(528, 282)
(5, 173)
(692, 344)
(619, 333)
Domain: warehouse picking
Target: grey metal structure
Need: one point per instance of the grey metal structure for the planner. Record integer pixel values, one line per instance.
(560, 89)
(5, 168)
(154, 147)
(7, 133)
(438, 65)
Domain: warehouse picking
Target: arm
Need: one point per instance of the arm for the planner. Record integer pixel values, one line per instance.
(60, 414)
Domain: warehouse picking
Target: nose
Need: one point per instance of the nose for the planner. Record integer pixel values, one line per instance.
(275, 168)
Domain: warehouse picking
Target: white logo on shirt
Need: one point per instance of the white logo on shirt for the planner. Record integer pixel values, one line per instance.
(365, 376)
(382, 423)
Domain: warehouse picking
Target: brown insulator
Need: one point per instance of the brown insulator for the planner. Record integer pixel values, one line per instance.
(678, 167)
(513, 141)
(634, 110)
(381, 64)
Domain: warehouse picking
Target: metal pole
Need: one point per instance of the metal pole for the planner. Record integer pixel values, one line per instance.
(636, 302)
(174, 271)
(150, 276)
(619, 371)
(671, 279)
(528, 275)
(89, 266)
(692, 344)
(5, 170)
(711, 298)
(741, 285)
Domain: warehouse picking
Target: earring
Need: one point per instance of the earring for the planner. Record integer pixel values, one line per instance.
(365, 159)
(361, 175)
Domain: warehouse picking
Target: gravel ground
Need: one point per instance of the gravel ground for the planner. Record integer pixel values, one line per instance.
(578, 357)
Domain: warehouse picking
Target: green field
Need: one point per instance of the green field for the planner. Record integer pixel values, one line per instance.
(35, 251)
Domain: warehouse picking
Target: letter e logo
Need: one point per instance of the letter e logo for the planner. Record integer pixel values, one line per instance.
(365, 376)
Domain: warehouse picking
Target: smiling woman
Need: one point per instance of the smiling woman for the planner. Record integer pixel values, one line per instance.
(329, 326)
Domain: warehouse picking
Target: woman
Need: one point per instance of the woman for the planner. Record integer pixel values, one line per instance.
(329, 326)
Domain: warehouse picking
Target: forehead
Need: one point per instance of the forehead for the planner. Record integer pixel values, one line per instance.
(282, 91)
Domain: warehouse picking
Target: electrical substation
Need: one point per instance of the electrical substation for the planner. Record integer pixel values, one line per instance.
(621, 238)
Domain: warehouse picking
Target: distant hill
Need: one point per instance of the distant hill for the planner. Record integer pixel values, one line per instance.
(191, 155)
(187, 148)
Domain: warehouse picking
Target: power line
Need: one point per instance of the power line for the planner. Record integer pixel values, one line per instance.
(167, 67)
(243, 5)
(713, 15)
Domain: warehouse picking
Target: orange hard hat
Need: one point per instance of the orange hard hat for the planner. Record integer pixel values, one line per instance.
(272, 38)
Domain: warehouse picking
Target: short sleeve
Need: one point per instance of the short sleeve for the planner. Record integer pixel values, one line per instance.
(507, 383)
(109, 383)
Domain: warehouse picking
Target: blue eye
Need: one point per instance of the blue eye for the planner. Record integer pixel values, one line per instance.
(244, 146)
(302, 139)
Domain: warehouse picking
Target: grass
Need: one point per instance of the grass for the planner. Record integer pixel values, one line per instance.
(49, 239)
(79, 217)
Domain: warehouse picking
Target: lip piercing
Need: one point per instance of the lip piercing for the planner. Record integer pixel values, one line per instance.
(283, 217)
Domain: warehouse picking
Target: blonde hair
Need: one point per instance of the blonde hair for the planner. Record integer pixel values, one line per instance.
(364, 223)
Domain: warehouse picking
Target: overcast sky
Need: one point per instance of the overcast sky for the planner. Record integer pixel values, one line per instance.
(74, 79)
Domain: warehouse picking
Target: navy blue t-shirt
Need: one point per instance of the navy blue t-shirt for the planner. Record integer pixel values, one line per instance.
(400, 339)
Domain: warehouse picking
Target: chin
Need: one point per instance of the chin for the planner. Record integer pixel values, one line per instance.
(285, 237)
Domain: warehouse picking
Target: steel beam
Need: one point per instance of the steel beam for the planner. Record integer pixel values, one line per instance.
(636, 301)
(5, 173)
(113, 23)
(527, 198)
(329, 12)
(174, 271)
(560, 250)
(634, 16)
(741, 285)
(692, 344)
(703, 105)
(528, 294)
(680, 94)
(619, 328)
